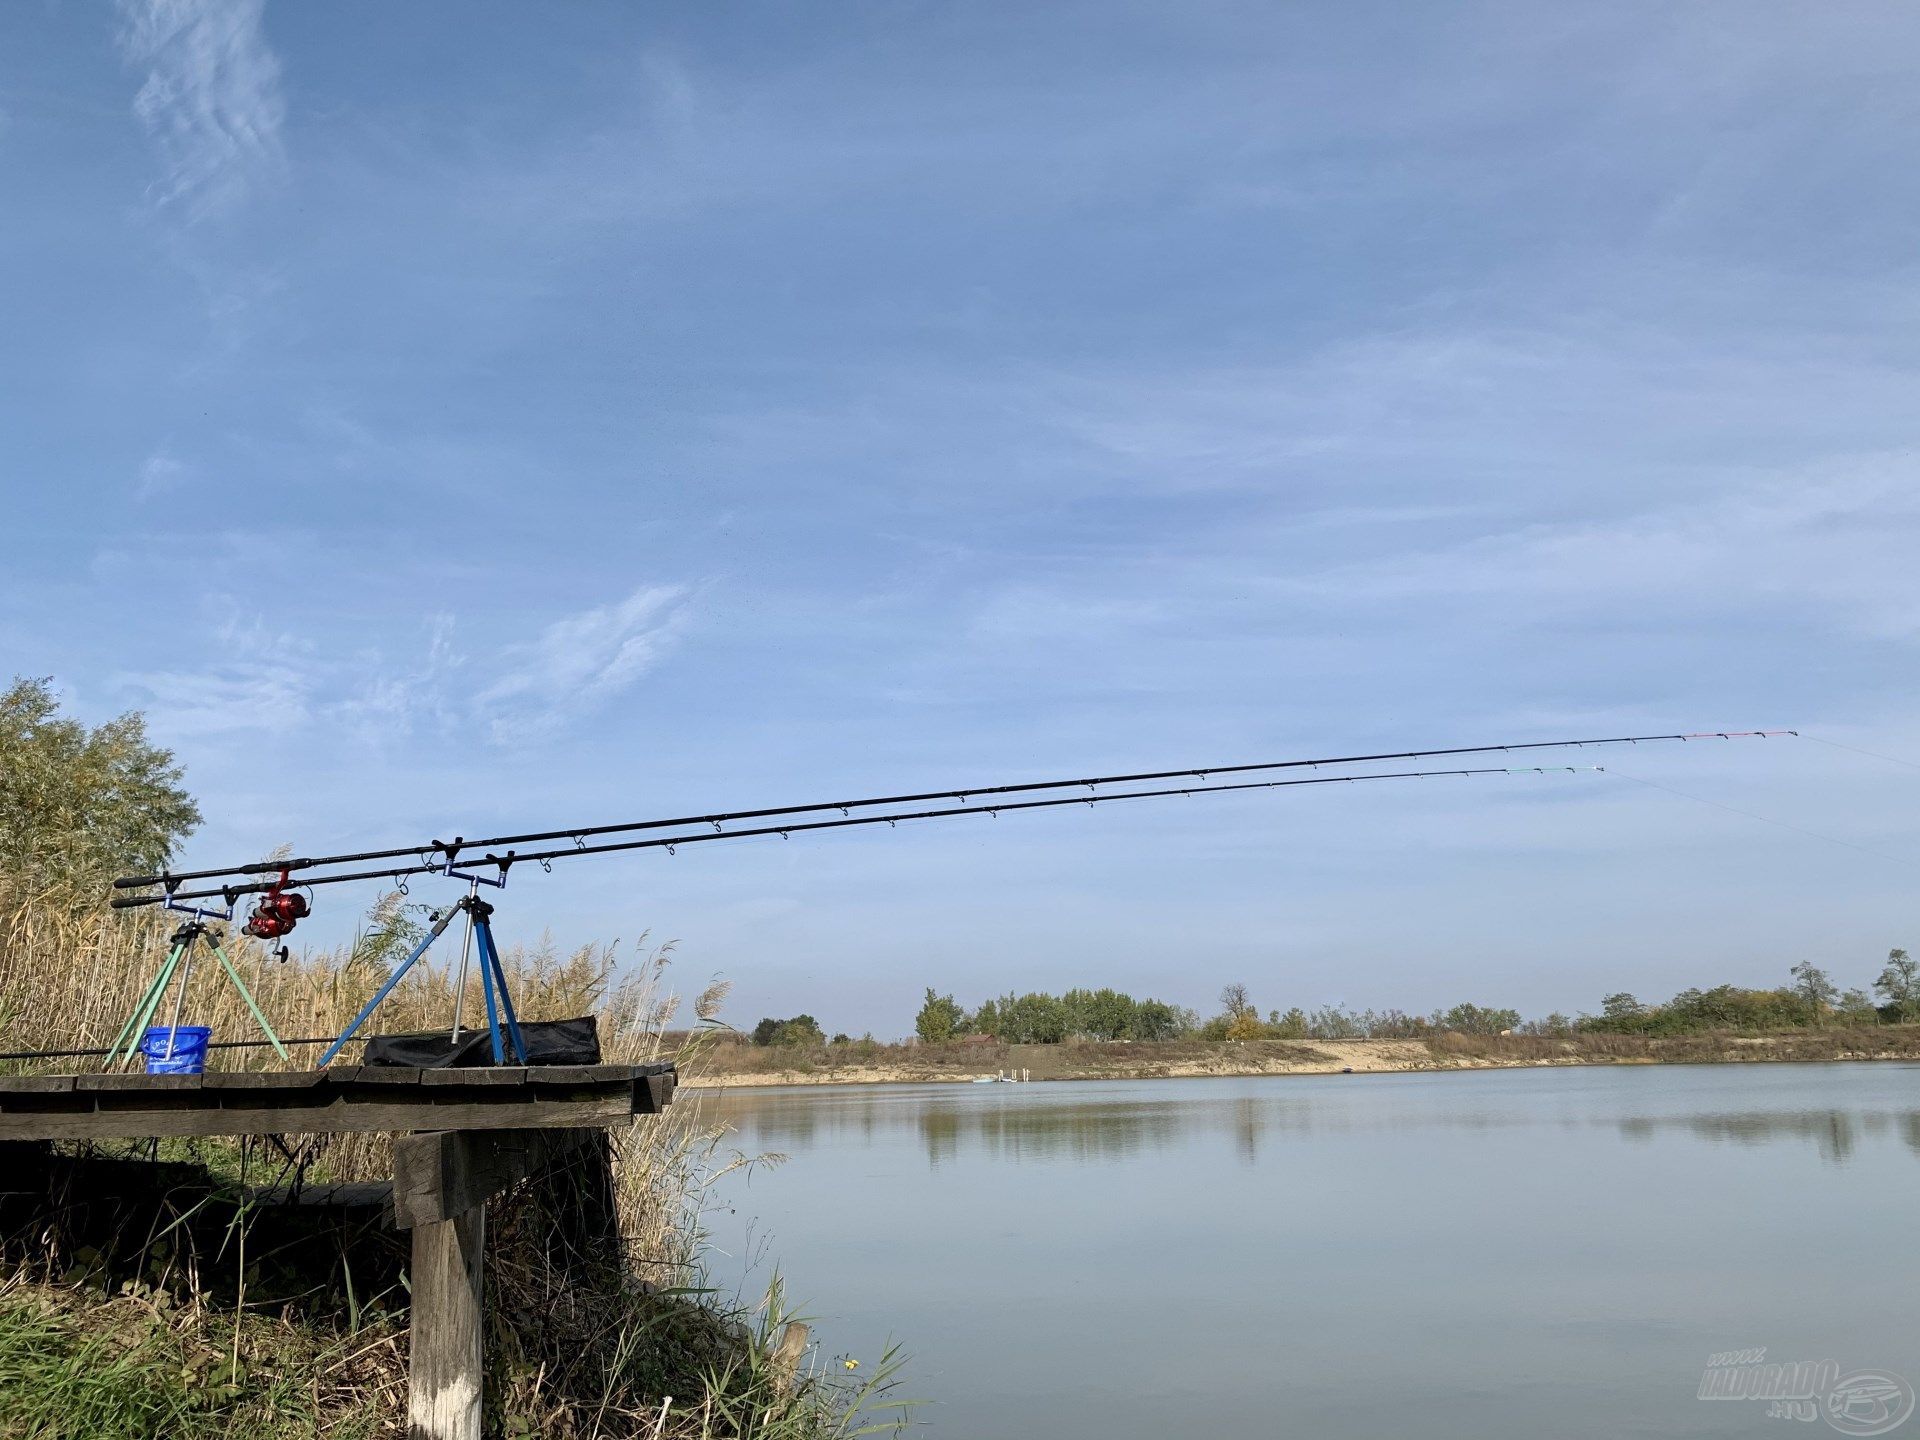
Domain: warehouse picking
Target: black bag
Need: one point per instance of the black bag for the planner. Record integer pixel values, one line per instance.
(548, 1042)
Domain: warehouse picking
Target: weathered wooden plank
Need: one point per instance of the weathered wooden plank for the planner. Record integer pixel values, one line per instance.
(445, 1346)
(139, 1084)
(342, 1194)
(265, 1079)
(87, 1107)
(476, 1075)
(335, 1117)
(36, 1085)
(652, 1094)
(575, 1074)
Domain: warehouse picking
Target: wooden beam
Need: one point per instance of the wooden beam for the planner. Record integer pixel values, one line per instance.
(445, 1357)
(441, 1175)
(342, 1100)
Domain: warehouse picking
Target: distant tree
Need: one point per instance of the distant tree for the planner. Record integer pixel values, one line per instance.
(1032, 1019)
(1815, 989)
(800, 1030)
(1235, 1001)
(79, 806)
(985, 1020)
(1245, 1025)
(1856, 1007)
(1331, 1022)
(1106, 1014)
(1621, 1006)
(1290, 1026)
(1899, 985)
(940, 1019)
(1477, 1020)
(1156, 1020)
(1391, 1024)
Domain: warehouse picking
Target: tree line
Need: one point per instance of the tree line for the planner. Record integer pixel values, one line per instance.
(1810, 998)
(1037, 1018)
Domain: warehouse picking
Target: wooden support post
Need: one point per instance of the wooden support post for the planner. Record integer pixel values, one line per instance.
(441, 1184)
(444, 1349)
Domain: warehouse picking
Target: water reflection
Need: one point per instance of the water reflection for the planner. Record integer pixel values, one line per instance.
(1051, 1123)
(1836, 1133)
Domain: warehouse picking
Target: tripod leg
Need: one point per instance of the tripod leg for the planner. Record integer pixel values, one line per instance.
(460, 981)
(136, 1022)
(145, 1019)
(493, 1017)
(220, 954)
(490, 952)
(179, 1002)
(439, 928)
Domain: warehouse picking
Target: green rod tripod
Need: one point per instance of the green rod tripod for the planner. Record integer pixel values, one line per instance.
(180, 959)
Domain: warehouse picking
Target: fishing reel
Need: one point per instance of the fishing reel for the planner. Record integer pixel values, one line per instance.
(276, 915)
(277, 912)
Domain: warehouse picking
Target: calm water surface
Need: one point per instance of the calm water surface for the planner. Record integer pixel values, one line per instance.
(1526, 1253)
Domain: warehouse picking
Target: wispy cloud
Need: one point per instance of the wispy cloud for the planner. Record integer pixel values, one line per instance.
(280, 682)
(226, 699)
(267, 681)
(387, 705)
(160, 472)
(210, 98)
(580, 662)
(1832, 539)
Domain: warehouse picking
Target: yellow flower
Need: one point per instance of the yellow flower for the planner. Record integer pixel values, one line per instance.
(851, 1363)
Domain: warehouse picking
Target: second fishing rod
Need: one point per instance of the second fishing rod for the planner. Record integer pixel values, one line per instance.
(448, 850)
(502, 863)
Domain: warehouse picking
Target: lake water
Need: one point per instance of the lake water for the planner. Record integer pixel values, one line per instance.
(1517, 1253)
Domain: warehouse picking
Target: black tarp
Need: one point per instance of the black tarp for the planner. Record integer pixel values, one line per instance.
(549, 1042)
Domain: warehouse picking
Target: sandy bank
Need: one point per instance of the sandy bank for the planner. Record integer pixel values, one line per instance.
(907, 1064)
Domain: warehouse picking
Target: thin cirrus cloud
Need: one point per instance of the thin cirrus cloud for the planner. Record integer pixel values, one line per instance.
(579, 662)
(209, 98)
(283, 685)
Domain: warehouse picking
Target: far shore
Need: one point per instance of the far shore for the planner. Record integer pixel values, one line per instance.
(738, 1065)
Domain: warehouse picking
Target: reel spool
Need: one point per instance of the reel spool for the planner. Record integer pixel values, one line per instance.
(278, 911)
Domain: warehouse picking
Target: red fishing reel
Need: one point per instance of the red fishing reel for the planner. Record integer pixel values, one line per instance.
(277, 913)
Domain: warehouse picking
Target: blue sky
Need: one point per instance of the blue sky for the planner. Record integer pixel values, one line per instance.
(457, 418)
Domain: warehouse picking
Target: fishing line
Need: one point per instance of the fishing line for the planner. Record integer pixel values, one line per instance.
(1892, 759)
(1753, 815)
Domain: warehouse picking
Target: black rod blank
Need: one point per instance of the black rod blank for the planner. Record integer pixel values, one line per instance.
(671, 842)
(449, 850)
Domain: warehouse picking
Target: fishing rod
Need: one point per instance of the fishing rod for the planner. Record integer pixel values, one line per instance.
(171, 880)
(670, 843)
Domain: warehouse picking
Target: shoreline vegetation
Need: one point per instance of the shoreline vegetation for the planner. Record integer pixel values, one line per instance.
(1107, 1034)
(738, 1065)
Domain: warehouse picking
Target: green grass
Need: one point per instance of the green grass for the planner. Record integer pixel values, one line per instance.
(73, 1368)
(76, 1365)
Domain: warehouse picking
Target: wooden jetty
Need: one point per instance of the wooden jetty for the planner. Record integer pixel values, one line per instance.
(462, 1135)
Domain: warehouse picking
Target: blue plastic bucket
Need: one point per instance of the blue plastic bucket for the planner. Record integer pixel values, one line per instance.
(189, 1050)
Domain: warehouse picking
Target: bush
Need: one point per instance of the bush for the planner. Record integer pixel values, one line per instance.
(800, 1030)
